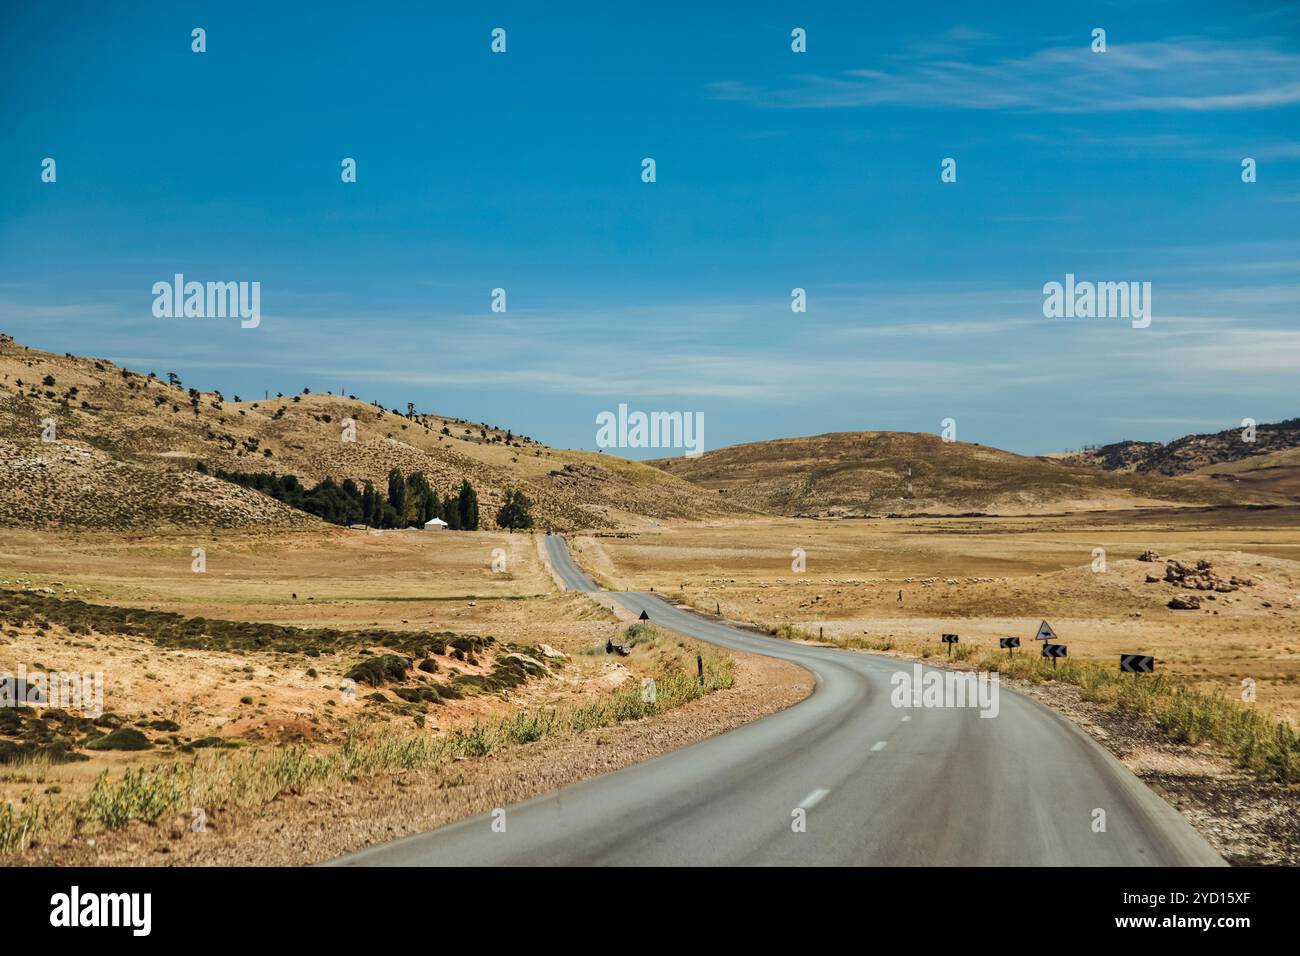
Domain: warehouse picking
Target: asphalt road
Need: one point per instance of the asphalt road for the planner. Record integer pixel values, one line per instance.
(871, 783)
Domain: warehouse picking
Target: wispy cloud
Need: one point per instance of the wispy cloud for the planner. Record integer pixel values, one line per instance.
(1190, 74)
(873, 343)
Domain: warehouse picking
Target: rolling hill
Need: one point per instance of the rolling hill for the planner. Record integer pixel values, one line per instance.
(1269, 465)
(1190, 454)
(127, 445)
(875, 473)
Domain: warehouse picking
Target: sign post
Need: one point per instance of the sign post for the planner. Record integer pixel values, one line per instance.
(1010, 643)
(950, 640)
(1136, 664)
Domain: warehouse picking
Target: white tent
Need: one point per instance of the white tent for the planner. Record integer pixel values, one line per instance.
(435, 524)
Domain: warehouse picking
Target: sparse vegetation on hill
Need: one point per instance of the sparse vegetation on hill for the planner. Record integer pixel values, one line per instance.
(120, 442)
(1190, 453)
(853, 474)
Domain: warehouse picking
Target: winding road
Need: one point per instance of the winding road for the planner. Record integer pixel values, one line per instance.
(842, 778)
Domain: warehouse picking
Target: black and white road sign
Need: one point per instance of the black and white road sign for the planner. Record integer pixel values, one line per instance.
(1008, 642)
(645, 616)
(1136, 663)
(949, 638)
(1045, 632)
(1053, 650)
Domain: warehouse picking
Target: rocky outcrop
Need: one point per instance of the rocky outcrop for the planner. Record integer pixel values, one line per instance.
(1201, 577)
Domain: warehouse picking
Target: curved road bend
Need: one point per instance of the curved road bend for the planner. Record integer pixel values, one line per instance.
(880, 785)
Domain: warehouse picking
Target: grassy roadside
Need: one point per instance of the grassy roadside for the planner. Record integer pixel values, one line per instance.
(1257, 741)
(213, 780)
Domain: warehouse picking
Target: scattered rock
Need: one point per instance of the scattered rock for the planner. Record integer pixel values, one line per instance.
(530, 665)
(1200, 577)
(1185, 602)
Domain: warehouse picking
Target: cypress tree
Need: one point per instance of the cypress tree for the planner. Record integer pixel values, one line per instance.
(467, 506)
(451, 514)
(397, 497)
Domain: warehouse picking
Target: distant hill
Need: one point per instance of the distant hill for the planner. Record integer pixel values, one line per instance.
(1271, 463)
(867, 473)
(1275, 473)
(1118, 456)
(128, 445)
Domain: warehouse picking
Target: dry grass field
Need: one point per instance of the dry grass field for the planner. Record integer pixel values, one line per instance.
(984, 578)
(271, 716)
(263, 694)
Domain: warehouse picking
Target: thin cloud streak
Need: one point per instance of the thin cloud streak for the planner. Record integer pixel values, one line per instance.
(1196, 75)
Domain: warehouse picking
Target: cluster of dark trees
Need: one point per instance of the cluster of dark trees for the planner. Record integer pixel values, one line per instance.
(411, 500)
(413, 497)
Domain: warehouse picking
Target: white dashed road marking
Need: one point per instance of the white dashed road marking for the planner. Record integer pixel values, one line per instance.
(814, 798)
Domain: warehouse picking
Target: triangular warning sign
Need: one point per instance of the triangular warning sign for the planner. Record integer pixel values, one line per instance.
(1045, 632)
(645, 616)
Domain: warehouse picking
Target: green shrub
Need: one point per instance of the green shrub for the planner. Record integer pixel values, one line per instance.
(123, 738)
(142, 794)
(377, 671)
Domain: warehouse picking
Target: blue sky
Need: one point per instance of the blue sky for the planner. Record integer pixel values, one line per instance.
(775, 170)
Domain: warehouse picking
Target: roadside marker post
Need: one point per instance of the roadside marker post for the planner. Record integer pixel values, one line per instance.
(1054, 651)
(950, 640)
(1010, 643)
(699, 664)
(1136, 664)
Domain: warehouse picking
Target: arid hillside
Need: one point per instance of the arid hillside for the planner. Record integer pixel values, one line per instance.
(125, 447)
(1192, 453)
(1274, 473)
(880, 473)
